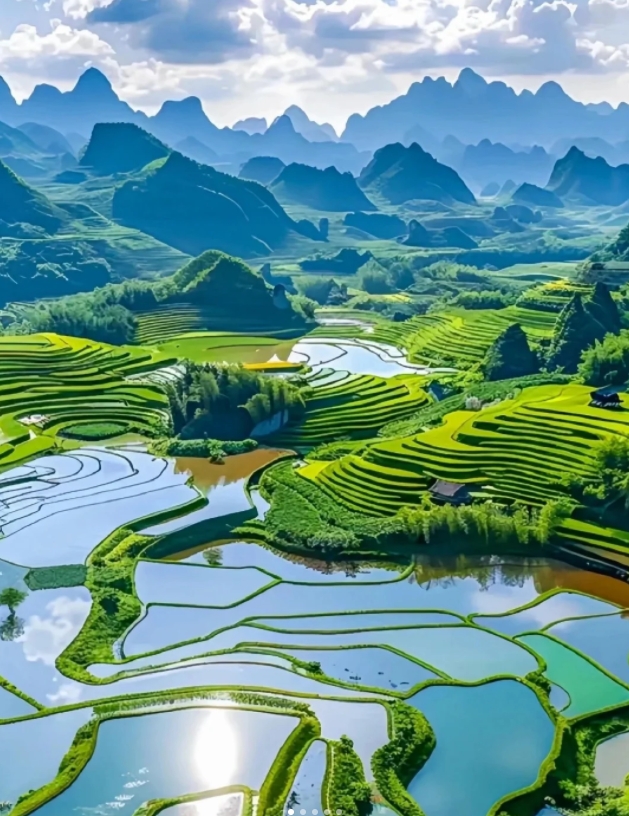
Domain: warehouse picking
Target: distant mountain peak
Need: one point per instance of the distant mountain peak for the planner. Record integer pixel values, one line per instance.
(470, 81)
(283, 124)
(189, 106)
(93, 81)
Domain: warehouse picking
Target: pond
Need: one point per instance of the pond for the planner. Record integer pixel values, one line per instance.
(463, 652)
(556, 608)
(21, 742)
(377, 359)
(491, 741)
(208, 748)
(13, 706)
(589, 688)
(605, 640)
(74, 501)
(190, 584)
(228, 804)
(367, 666)
(288, 567)
(612, 761)
(306, 790)
(364, 723)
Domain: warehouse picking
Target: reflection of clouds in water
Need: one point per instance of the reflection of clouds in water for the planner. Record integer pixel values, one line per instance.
(226, 805)
(556, 608)
(68, 693)
(45, 638)
(501, 599)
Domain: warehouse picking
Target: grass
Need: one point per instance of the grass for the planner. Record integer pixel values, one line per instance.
(72, 383)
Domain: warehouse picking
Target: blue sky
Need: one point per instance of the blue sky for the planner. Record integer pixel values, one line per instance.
(333, 57)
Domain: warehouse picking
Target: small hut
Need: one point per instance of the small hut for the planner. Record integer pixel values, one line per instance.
(450, 493)
(606, 398)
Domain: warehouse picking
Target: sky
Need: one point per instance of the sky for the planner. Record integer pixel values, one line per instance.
(331, 57)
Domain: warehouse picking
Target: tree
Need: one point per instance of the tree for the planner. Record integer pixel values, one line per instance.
(510, 356)
(604, 308)
(12, 598)
(573, 333)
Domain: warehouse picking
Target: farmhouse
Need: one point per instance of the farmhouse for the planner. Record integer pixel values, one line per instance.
(605, 398)
(450, 492)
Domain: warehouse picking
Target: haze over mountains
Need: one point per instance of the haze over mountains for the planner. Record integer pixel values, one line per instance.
(484, 130)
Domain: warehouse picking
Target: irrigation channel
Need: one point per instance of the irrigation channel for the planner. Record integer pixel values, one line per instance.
(230, 648)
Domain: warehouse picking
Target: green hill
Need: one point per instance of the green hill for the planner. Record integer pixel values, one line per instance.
(264, 169)
(194, 207)
(533, 196)
(121, 147)
(405, 173)
(213, 292)
(21, 204)
(591, 180)
(380, 225)
(326, 189)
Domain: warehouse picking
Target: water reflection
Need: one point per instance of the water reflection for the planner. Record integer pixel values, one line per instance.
(216, 750)
(230, 804)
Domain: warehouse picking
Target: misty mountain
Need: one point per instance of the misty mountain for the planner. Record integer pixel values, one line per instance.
(472, 109)
(121, 148)
(320, 189)
(589, 181)
(263, 169)
(312, 131)
(193, 207)
(196, 150)
(487, 162)
(251, 125)
(402, 174)
(47, 139)
(533, 196)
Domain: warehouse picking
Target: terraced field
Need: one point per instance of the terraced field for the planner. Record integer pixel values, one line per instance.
(354, 407)
(247, 668)
(457, 337)
(49, 382)
(518, 449)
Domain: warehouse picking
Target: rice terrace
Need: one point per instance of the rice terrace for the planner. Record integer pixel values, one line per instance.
(314, 449)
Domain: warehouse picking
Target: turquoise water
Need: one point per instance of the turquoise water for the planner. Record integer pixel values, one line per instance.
(207, 748)
(491, 741)
(605, 640)
(589, 688)
(306, 790)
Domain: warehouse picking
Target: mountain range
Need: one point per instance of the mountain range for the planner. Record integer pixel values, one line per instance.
(444, 118)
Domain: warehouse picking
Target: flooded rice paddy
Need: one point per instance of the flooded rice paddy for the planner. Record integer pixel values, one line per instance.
(232, 616)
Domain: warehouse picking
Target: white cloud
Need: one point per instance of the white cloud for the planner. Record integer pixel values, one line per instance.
(79, 9)
(26, 43)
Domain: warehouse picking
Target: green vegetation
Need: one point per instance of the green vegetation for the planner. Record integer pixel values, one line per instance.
(401, 174)
(25, 210)
(279, 781)
(346, 787)
(212, 291)
(214, 449)
(396, 763)
(228, 402)
(48, 383)
(74, 761)
(326, 190)
(121, 147)
(93, 431)
(67, 575)
(193, 207)
(510, 356)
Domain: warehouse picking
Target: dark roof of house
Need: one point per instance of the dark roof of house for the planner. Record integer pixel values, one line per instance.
(606, 393)
(449, 489)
